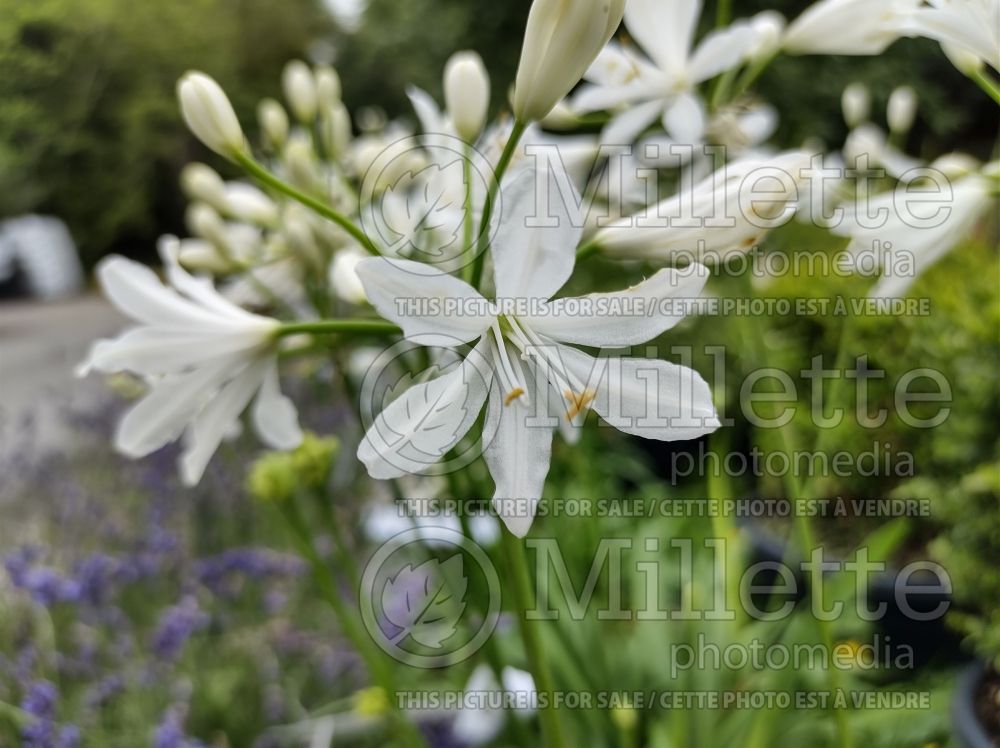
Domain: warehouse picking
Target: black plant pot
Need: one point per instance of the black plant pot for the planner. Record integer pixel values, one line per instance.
(968, 729)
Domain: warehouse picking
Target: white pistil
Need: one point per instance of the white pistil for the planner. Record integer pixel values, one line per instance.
(513, 384)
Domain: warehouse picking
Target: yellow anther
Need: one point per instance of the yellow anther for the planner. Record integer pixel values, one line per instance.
(513, 395)
(578, 402)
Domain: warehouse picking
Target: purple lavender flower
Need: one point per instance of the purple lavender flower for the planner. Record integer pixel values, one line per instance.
(39, 703)
(177, 624)
(170, 732)
(45, 585)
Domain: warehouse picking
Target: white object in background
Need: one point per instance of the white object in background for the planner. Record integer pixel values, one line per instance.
(41, 246)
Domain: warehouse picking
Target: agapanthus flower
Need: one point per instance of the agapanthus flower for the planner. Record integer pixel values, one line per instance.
(928, 232)
(848, 27)
(662, 85)
(523, 361)
(968, 30)
(203, 357)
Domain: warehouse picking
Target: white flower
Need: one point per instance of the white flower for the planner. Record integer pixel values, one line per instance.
(925, 231)
(902, 109)
(205, 359)
(848, 27)
(522, 362)
(481, 725)
(562, 39)
(467, 93)
(715, 217)
(209, 115)
(967, 30)
(299, 85)
(662, 85)
(768, 26)
(344, 276)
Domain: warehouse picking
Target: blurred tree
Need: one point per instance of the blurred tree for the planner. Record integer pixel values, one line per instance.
(89, 129)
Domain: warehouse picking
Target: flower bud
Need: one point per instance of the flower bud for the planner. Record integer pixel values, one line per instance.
(247, 203)
(202, 256)
(562, 39)
(201, 182)
(273, 123)
(767, 27)
(202, 220)
(467, 93)
(328, 90)
(336, 130)
(209, 115)
(902, 109)
(344, 277)
(299, 86)
(966, 62)
(856, 101)
(300, 159)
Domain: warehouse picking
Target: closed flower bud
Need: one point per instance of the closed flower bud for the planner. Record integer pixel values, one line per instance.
(328, 89)
(902, 109)
(209, 115)
(767, 27)
(856, 102)
(273, 123)
(964, 60)
(299, 86)
(562, 39)
(336, 130)
(200, 182)
(467, 93)
(344, 276)
(202, 220)
(300, 159)
(247, 203)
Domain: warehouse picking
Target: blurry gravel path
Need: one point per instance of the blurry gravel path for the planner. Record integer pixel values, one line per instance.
(40, 344)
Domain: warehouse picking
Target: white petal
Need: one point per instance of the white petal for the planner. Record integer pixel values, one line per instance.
(534, 248)
(136, 290)
(719, 51)
(274, 416)
(419, 427)
(432, 307)
(517, 450)
(624, 128)
(684, 119)
(664, 29)
(646, 397)
(175, 400)
(623, 318)
(216, 419)
(156, 351)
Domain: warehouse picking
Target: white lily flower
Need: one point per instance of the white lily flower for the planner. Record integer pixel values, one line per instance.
(662, 85)
(967, 30)
(717, 216)
(848, 27)
(209, 115)
(523, 362)
(925, 234)
(467, 93)
(562, 39)
(478, 726)
(204, 357)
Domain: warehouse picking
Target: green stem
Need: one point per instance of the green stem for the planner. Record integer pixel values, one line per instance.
(987, 84)
(468, 220)
(521, 582)
(349, 624)
(751, 74)
(723, 13)
(262, 175)
(805, 538)
(483, 237)
(339, 326)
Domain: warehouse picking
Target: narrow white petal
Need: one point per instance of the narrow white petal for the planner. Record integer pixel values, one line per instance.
(432, 307)
(646, 397)
(172, 402)
(721, 50)
(540, 223)
(215, 421)
(275, 418)
(684, 119)
(518, 450)
(625, 127)
(136, 290)
(419, 427)
(623, 318)
(664, 29)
